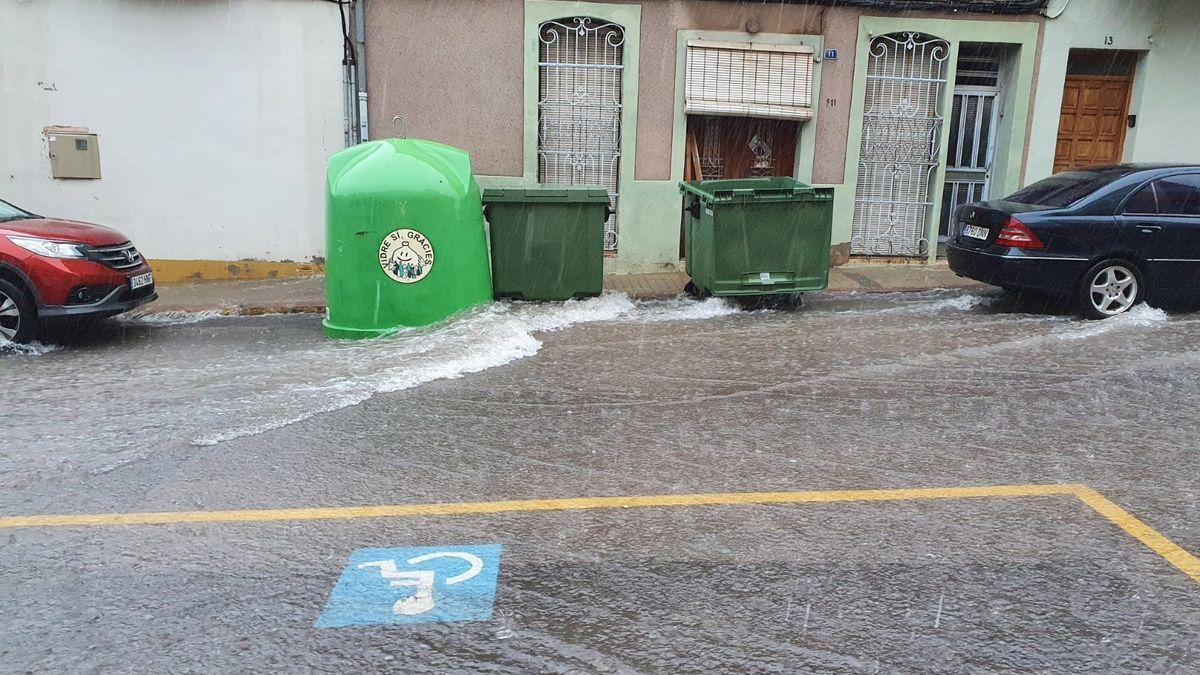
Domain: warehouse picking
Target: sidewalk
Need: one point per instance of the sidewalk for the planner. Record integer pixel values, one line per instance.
(307, 294)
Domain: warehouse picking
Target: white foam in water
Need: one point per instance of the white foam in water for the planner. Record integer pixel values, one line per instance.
(547, 317)
(962, 302)
(685, 309)
(30, 349)
(959, 303)
(491, 336)
(173, 318)
(927, 302)
(1141, 316)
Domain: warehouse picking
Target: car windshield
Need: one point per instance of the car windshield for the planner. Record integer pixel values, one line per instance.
(10, 212)
(1061, 189)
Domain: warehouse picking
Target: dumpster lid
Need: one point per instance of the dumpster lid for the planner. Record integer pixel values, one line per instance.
(548, 193)
(738, 189)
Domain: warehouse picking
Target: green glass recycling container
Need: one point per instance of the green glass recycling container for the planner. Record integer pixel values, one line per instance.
(757, 236)
(547, 242)
(405, 238)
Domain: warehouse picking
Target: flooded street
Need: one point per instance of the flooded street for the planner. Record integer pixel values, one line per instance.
(644, 336)
(196, 414)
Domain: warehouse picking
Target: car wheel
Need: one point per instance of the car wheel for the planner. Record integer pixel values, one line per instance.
(1110, 288)
(18, 317)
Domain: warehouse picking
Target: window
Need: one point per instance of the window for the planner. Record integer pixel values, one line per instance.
(1143, 201)
(1061, 189)
(579, 107)
(748, 79)
(10, 212)
(1178, 195)
(1171, 196)
(978, 65)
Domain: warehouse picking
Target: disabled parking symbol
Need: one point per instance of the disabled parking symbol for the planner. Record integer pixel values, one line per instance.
(414, 585)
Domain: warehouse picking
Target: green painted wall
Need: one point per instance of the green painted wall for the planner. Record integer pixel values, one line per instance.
(1164, 96)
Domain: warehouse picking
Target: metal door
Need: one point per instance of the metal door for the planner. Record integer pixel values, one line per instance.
(579, 107)
(906, 74)
(972, 145)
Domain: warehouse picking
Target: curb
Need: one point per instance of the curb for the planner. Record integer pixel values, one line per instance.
(238, 310)
(260, 310)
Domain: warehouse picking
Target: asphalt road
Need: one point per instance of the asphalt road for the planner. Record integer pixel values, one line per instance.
(218, 423)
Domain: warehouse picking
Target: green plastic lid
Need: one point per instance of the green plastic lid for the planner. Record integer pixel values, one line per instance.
(779, 188)
(548, 193)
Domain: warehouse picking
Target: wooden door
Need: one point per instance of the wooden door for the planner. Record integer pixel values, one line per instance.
(1091, 124)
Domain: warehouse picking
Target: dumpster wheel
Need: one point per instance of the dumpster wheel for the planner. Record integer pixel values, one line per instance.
(782, 301)
(691, 290)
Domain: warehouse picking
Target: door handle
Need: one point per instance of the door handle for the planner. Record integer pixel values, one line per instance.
(1150, 229)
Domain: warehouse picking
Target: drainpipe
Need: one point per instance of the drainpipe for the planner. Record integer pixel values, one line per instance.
(347, 109)
(349, 78)
(360, 66)
(350, 87)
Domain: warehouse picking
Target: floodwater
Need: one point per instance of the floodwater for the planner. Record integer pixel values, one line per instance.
(608, 397)
(204, 378)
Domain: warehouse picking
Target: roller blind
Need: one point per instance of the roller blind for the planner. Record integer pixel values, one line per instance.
(749, 79)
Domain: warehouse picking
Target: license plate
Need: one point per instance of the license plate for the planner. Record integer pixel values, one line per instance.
(975, 232)
(141, 280)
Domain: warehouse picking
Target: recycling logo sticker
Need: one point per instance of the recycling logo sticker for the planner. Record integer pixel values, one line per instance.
(406, 256)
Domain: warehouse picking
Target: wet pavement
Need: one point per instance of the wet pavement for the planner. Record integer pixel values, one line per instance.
(609, 397)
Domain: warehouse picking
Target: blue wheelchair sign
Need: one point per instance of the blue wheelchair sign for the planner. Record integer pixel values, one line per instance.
(414, 585)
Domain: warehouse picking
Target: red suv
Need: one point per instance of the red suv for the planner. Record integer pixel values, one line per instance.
(61, 269)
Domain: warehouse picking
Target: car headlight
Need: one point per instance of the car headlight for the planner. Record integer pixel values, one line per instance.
(48, 248)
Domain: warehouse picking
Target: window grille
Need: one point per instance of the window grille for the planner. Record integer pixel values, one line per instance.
(977, 71)
(899, 150)
(955, 194)
(972, 129)
(712, 165)
(579, 107)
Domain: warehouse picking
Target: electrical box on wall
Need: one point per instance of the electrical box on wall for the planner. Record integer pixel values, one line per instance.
(73, 155)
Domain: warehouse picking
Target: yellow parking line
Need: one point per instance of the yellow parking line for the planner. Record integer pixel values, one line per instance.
(1152, 538)
(1148, 536)
(466, 508)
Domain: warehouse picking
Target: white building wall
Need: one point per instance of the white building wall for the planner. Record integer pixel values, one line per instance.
(1167, 33)
(215, 119)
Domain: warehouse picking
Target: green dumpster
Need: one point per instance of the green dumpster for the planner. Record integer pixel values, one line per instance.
(547, 242)
(405, 244)
(757, 236)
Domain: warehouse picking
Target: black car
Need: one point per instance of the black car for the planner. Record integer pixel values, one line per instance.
(1107, 237)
